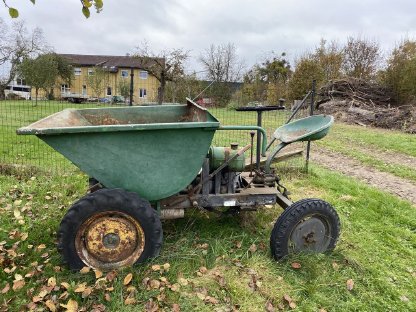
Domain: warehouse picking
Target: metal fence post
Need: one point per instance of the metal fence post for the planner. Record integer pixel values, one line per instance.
(131, 86)
(308, 148)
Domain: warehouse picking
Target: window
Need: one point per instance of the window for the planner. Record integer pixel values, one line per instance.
(124, 73)
(84, 90)
(90, 72)
(108, 90)
(20, 82)
(77, 71)
(142, 93)
(65, 89)
(143, 74)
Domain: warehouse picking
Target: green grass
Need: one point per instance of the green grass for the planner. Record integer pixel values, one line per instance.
(376, 251)
(380, 138)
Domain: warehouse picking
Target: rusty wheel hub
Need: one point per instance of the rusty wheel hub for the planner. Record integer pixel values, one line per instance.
(110, 240)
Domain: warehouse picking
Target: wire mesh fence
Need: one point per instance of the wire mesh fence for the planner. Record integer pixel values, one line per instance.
(28, 153)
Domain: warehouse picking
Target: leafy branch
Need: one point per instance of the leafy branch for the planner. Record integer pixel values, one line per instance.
(86, 5)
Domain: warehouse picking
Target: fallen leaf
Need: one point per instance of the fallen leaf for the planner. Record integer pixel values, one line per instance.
(292, 305)
(85, 270)
(65, 285)
(166, 266)
(253, 248)
(80, 287)
(129, 301)
(269, 306)
(107, 297)
(151, 306)
(70, 306)
(127, 279)
(296, 265)
(350, 284)
(87, 292)
(24, 236)
(212, 300)
(175, 287)
(203, 270)
(41, 246)
(6, 288)
(182, 281)
(404, 299)
(156, 267)
(176, 307)
(238, 244)
(18, 277)
(51, 306)
(98, 273)
(155, 284)
(111, 276)
(18, 284)
(52, 281)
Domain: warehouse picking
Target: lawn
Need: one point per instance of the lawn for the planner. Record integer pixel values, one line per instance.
(212, 263)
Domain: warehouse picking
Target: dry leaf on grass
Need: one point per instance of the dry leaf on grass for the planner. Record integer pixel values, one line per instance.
(253, 248)
(296, 265)
(51, 306)
(350, 284)
(85, 270)
(18, 284)
(98, 273)
(70, 306)
(128, 279)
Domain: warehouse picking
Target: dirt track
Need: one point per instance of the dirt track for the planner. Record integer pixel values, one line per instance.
(382, 180)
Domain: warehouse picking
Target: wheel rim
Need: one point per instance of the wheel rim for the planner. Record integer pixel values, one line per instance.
(110, 240)
(311, 234)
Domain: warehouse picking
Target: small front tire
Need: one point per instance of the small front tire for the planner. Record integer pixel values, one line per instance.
(309, 225)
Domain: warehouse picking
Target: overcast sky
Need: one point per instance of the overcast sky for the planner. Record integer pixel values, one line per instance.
(255, 27)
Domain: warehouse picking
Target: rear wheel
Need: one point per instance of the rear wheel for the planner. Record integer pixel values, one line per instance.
(309, 225)
(109, 229)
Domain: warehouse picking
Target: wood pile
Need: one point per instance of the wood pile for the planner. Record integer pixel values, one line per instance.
(365, 103)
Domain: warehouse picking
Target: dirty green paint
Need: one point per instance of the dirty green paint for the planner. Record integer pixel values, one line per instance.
(306, 129)
(154, 159)
(218, 155)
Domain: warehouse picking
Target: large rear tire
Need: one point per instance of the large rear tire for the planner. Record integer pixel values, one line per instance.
(309, 225)
(109, 229)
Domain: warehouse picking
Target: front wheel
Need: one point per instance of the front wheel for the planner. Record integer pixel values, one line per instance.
(309, 225)
(109, 229)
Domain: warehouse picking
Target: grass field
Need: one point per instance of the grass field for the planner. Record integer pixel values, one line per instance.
(211, 263)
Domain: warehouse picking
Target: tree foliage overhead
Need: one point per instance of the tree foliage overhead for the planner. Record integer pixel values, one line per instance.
(86, 5)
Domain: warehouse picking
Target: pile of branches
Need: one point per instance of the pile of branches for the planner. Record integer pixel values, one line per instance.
(357, 90)
(365, 103)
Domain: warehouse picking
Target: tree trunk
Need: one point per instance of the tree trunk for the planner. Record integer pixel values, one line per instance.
(2, 88)
(161, 95)
(36, 96)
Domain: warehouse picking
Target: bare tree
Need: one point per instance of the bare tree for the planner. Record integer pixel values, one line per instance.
(16, 44)
(166, 65)
(222, 63)
(360, 57)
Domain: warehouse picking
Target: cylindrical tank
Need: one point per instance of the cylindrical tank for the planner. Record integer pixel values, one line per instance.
(218, 155)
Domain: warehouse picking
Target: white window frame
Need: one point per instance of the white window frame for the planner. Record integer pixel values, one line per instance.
(90, 72)
(142, 93)
(109, 89)
(77, 71)
(65, 89)
(124, 71)
(144, 73)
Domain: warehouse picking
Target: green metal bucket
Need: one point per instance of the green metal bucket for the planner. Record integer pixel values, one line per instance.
(155, 151)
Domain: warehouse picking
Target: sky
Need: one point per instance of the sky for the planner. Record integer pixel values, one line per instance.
(255, 27)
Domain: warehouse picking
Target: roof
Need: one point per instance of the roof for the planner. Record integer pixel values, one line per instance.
(111, 61)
